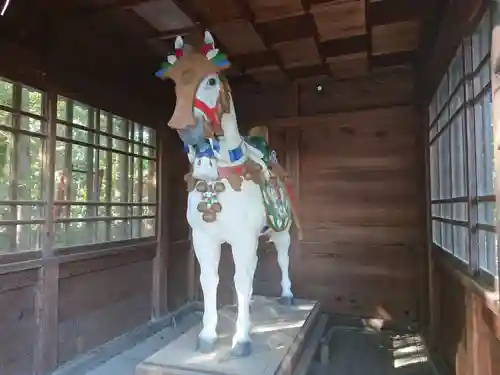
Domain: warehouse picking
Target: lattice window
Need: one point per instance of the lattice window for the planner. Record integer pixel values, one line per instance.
(104, 173)
(461, 157)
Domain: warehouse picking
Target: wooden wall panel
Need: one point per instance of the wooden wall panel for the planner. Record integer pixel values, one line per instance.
(177, 284)
(101, 299)
(17, 322)
(361, 212)
(466, 332)
(386, 88)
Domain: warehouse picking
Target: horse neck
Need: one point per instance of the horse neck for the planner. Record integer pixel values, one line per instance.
(231, 138)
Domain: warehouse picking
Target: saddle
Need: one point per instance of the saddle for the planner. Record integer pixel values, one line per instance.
(260, 143)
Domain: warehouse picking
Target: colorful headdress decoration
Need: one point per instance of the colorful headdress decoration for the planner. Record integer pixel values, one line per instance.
(208, 49)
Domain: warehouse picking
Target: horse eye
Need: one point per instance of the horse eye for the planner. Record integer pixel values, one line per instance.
(212, 81)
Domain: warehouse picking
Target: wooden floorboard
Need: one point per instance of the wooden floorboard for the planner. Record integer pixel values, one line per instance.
(358, 351)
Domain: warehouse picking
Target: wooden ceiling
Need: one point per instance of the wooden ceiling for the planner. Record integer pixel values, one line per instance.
(268, 41)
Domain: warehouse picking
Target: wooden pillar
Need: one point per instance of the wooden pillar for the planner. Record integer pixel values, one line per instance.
(495, 87)
(47, 293)
(292, 165)
(160, 262)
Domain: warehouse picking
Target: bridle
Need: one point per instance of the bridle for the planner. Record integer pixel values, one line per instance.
(214, 115)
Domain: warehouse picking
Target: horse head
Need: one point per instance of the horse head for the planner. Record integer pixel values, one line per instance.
(202, 94)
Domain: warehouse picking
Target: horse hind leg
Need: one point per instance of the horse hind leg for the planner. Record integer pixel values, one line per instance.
(282, 242)
(207, 252)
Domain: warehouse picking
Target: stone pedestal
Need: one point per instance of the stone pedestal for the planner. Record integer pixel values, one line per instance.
(279, 334)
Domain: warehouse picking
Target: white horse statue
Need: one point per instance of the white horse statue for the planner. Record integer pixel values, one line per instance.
(236, 193)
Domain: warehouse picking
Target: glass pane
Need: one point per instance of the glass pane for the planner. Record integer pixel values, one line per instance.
(487, 251)
(23, 237)
(442, 93)
(7, 239)
(72, 234)
(105, 163)
(31, 124)
(101, 232)
(135, 179)
(119, 127)
(456, 69)
(81, 135)
(436, 210)
(104, 122)
(6, 164)
(149, 181)
(62, 108)
(31, 100)
(79, 186)
(458, 156)
(457, 100)
(29, 167)
(436, 232)
(81, 114)
(6, 93)
(461, 243)
(488, 145)
(460, 211)
(137, 136)
(486, 213)
(120, 230)
(447, 237)
(444, 164)
(79, 211)
(434, 170)
(119, 175)
(148, 227)
(443, 118)
(446, 210)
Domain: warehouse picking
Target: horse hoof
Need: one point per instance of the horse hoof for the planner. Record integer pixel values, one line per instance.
(204, 346)
(242, 349)
(286, 300)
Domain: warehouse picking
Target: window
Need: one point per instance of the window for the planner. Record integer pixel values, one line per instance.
(104, 173)
(461, 158)
(22, 173)
(105, 177)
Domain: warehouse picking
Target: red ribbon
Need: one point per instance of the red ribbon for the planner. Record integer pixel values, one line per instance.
(210, 113)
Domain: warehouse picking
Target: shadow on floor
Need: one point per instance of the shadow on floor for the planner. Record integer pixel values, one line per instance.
(126, 362)
(361, 351)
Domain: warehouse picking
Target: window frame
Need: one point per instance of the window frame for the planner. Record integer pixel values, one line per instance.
(465, 87)
(148, 210)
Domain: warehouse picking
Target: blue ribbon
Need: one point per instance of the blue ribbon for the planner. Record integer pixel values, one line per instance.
(235, 154)
(206, 150)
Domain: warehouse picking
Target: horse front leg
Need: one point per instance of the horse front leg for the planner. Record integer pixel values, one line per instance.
(207, 252)
(282, 241)
(245, 261)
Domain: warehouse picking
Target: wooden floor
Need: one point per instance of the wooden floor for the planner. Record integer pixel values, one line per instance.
(355, 351)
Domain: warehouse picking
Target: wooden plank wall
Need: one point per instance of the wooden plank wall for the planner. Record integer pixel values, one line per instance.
(103, 298)
(18, 328)
(466, 330)
(355, 151)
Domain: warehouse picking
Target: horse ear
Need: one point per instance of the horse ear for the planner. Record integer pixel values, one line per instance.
(209, 39)
(179, 42)
(171, 59)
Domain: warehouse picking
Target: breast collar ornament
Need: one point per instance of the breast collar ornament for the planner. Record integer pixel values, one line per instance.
(207, 150)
